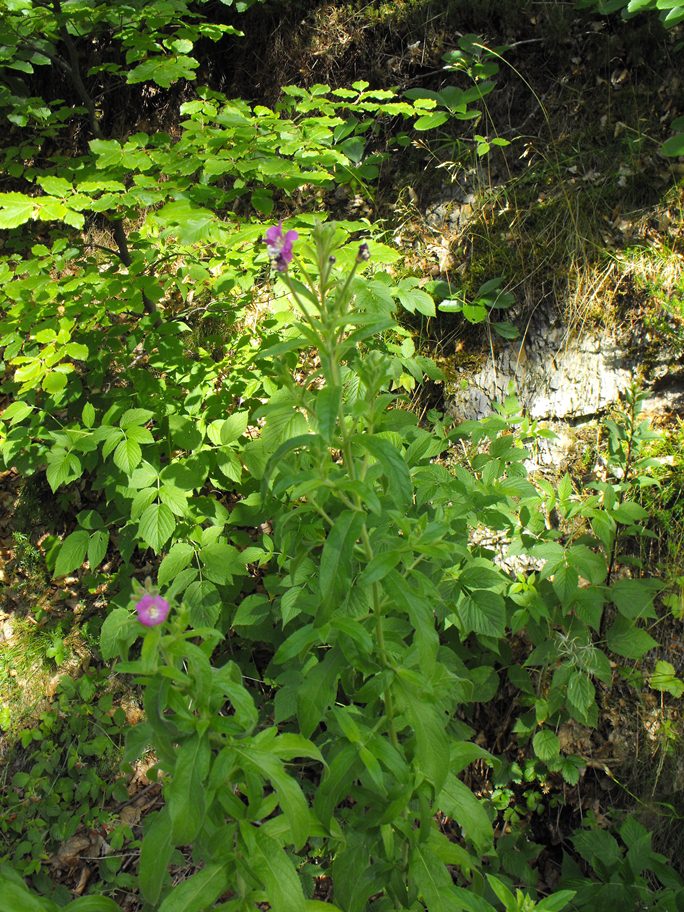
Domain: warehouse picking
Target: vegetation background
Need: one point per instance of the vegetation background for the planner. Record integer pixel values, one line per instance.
(404, 667)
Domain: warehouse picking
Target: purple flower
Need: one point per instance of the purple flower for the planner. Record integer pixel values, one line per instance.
(363, 254)
(152, 610)
(279, 246)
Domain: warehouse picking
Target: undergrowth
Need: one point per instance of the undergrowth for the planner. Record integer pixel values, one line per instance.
(316, 646)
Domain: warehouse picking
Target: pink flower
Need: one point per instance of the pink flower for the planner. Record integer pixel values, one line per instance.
(279, 246)
(152, 610)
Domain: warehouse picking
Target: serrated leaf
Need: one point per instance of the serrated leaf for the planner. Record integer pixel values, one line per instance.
(629, 512)
(176, 560)
(204, 602)
(627, 640)
(88, 415)
(634, 597)
(175, 499)
(394, 468)
(234, 427)
(483, 612)
(97, 547)
(565, 583)
(590, 565)
(581, 692)
(546, 745)
(118, 629)
(127, 455)
(62, 467)
(156, 526)
(432, 743)
(220, 562)
(16, 412)
(135, 416)
(72, 553)
(15, 209)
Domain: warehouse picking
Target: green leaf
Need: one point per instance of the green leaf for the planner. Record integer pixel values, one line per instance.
(336, 558)
(556, 901)
(394, 467)
(627, 640)
(431, 121)
(220, 562)
(503, 894)
(119, 630)
(62, 468)
(185, 795)
(432, 880)
(72, 553)
(483, 612)
(97, 547)
(127, 455)
(413, 299)
(290, 796)
(570, 771)
(336, 781)
(506, 330)
(177, 559)
(78, 351)
(319, 690)
(234, 427)
(55, 186)
(546, 745)
(156, 526)
(92, 904)
(327, 410)
(428, 725)
(474, 313)
(54, 382)
(664, 678)
(15, 209)
(581, 692)
(277, 873)
(629, 512)
(457, 800)
(135, 417)
(590, 565)
(565, 583)
(204, 602)
(18, 899)
(634, 597)
(175, 499)
(200, 891)
(673, 147)
(88, 415)
(16, 412)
